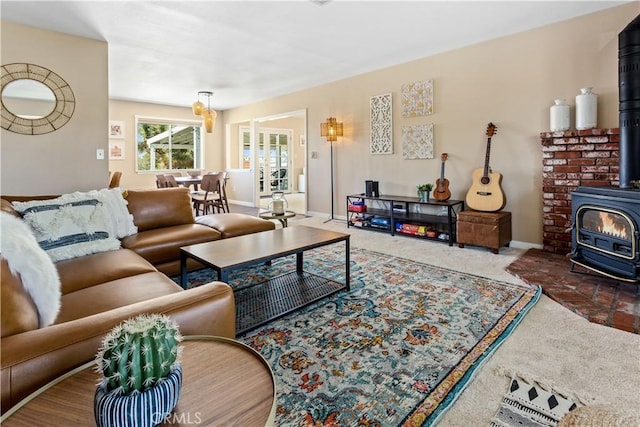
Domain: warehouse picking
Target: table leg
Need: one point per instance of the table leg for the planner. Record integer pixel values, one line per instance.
(284, 222)
(183, 270)
(347, 265)
(299, 262)
(450, 224)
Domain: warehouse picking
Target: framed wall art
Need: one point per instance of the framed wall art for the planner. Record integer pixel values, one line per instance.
(417, 99)
(116, 129)
(417, 142)
(116, 150)
(381, 109)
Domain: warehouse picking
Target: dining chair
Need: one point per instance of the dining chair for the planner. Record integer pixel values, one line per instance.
(115, 179)
(161, 180)
(171, 180)
(211, 194)
(225, 178)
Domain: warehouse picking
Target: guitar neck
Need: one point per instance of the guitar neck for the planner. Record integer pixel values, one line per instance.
(486, 157)
(442, 172)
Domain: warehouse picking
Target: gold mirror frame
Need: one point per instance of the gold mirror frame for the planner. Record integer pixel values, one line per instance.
(61, 114)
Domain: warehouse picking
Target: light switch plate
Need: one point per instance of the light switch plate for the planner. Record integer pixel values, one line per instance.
(100, 154)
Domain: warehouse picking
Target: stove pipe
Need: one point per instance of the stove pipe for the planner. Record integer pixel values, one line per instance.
(629, 92)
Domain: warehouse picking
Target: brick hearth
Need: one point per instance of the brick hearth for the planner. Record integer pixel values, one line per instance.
(598, 299)
(571, 159)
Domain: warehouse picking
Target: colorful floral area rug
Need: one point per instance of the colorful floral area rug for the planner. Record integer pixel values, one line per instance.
(397, 349)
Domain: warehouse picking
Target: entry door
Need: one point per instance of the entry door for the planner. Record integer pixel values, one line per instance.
(274, 147)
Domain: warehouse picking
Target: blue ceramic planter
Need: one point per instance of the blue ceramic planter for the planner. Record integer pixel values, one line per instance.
(145, 409)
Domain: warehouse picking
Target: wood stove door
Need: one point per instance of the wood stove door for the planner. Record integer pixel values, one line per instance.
(606, 230)
(606, 240)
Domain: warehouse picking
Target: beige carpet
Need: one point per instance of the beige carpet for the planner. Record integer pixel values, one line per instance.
(552, 344)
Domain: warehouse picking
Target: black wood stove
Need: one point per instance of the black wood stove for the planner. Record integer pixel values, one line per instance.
(606, 237)
(606, 220)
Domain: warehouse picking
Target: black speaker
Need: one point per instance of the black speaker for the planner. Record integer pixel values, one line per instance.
(375, 189)
(368, 188)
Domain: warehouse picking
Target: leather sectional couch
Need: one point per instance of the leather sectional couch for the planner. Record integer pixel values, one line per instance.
(103, 289)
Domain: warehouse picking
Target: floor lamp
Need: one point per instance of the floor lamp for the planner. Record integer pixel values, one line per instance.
(331, 129)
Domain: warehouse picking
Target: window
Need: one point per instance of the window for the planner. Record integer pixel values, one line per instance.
(166, 144)
(245, 148)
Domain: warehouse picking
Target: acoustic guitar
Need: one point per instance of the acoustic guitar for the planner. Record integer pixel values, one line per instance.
(441, 192)
(486, 192)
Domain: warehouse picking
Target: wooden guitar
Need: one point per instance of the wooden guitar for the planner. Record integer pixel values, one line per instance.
(486, 193)
(441, 192)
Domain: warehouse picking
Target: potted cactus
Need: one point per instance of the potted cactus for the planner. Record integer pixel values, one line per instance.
(141, 374)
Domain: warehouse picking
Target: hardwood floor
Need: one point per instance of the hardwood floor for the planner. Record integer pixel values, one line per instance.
(248, 210)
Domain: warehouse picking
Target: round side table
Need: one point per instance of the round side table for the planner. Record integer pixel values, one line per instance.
(280, 217)
(218, 374)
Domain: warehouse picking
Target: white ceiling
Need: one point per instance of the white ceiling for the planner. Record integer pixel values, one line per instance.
(244, 51)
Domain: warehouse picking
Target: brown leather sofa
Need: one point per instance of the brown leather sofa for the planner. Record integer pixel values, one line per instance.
(165, 222)
(103, 289)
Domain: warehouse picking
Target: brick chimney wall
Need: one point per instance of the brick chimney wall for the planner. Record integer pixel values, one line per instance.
(570, 159)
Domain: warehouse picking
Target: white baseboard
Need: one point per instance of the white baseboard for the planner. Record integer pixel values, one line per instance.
(525, 245)
(241, 203)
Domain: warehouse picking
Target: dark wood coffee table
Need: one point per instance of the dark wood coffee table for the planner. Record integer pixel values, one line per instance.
(260, 303)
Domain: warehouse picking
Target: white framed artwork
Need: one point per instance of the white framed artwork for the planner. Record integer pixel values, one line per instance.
(116, 150)
(381, 109)
(116, 129)
(417, 99)
(417, 142)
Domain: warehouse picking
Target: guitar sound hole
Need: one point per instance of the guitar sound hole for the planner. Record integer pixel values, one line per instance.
(485, 180)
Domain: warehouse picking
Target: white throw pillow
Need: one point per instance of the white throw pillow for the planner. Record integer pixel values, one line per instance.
(117, 206)
(68, 227)
(26, 258)
(117, 216)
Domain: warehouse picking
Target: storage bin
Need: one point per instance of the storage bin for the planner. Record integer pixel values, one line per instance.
(487, 229)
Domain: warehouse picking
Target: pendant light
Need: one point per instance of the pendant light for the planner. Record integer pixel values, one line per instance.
(197, 106)
(209, 120)
(208, 115)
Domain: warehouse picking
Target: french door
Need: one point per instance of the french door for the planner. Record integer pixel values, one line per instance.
(274, 149)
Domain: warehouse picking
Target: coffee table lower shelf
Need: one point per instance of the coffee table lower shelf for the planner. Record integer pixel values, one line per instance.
(278, 296)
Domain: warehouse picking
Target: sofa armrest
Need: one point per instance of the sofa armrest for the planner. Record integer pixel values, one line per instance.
(31, 359)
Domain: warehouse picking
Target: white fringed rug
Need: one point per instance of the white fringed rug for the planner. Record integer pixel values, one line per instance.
(532, 403)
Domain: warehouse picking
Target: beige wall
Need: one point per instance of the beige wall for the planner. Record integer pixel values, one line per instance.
(510, 81)
(63, 160)
(127, 111)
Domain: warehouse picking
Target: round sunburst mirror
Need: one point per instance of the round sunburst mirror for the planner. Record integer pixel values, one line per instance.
(35, 100)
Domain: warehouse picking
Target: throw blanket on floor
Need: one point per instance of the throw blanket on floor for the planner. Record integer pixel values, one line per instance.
(533, 403)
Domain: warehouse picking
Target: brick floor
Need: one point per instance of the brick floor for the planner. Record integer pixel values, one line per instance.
(599, 299)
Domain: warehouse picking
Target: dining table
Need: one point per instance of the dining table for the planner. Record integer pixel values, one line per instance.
(186, 181)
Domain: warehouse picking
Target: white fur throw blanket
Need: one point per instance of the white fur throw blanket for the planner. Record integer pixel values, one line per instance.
(25, 257)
